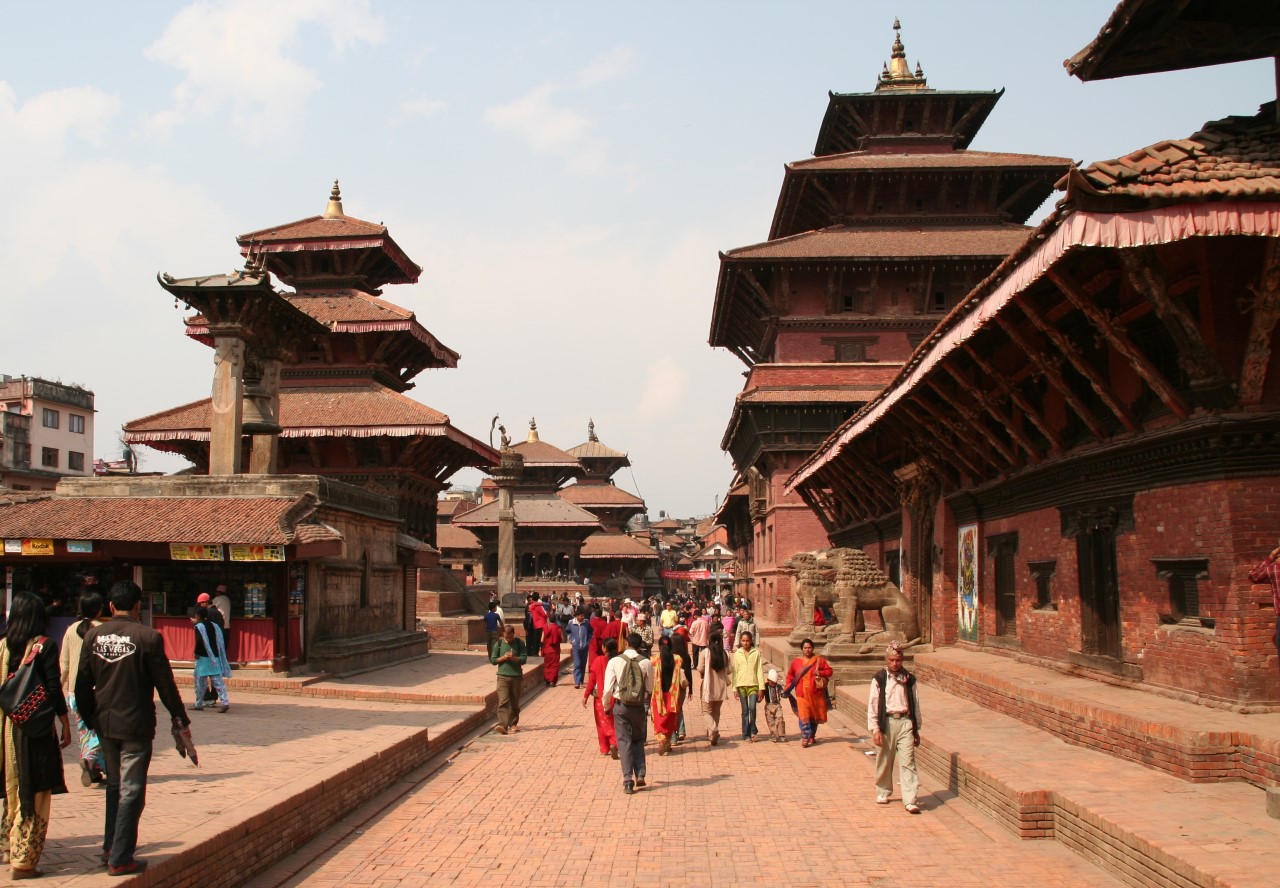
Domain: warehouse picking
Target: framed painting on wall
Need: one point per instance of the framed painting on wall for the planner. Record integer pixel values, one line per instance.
(967, 582)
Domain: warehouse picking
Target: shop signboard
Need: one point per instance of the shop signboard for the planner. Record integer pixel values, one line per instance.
(13, 547)
(37, 547)
(257, 553)
(80, 547)
(195, 551)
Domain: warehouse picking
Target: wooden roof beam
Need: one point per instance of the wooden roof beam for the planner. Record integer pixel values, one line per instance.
(1204, 373)
(988, 404)
(817, 507)
(1115, 334)
(1077, 360)
(1265, 313)
(977, 469)
(1019, 400)
(974, 420)
(866, 491)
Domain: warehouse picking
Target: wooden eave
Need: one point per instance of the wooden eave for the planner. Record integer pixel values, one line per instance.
(851, 118)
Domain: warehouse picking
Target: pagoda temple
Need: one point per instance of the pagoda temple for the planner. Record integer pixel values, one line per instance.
(873, 241)
(1081, 458)
(334, 404)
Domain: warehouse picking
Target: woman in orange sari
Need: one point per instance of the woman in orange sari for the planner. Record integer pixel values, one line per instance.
(668, 690)
(807, 679)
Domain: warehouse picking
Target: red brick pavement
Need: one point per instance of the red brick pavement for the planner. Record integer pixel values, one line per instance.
(545, 808)
(272, 756)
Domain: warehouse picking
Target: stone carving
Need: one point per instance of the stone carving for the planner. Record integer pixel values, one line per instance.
(850, 583)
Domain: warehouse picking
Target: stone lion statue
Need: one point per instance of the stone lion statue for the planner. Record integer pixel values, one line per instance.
(850, 583)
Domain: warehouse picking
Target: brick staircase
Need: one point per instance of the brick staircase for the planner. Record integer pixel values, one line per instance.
(449, 611)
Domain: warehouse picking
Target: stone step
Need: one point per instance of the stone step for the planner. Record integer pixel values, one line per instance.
(1132, 820)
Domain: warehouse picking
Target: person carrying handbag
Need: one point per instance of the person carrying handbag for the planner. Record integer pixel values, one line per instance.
(32, 752)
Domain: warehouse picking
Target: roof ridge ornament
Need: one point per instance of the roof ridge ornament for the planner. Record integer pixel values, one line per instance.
(591, 431)
(333, 210)
(533, 431)
(897, 74)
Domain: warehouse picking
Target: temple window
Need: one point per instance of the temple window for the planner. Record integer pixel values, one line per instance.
(1183, 577)
(939, 302)
(1042, 572)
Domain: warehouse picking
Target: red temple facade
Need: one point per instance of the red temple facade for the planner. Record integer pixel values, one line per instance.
(873, 240)
(1078, 466)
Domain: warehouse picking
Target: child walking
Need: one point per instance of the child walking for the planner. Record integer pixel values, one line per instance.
(772, 695)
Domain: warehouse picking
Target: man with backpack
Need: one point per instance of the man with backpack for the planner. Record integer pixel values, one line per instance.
(628, 682)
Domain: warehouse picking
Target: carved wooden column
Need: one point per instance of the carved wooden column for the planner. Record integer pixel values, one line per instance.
(225, 427)
(1266, 311)
(919, 487)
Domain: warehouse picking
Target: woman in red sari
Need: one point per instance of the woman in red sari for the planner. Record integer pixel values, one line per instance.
(668, 691)
(595, 691)
(807, 679)
(552, 638)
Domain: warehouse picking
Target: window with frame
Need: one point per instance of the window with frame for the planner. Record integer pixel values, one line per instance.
(49, 457)
(50, 418)
(1042, 572)
(21, 455)
(75, 423)
(75, 461)
(1183, 576)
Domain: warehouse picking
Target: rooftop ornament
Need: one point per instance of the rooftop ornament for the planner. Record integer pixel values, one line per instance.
(897, 73)
(333, 210)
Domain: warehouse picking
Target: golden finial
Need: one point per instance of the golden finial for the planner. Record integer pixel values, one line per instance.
(334, 208)
(897, 73)
(533, 431)
(591, 430)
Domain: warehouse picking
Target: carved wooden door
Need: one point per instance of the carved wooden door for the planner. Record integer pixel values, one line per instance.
(1099, 591)
(1003, 550)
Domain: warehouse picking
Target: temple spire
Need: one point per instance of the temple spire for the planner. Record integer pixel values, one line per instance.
(591, 430)
(334, 208)
(533, 431)
(897, 73)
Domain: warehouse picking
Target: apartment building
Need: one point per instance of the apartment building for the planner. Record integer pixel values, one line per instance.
(46, 432)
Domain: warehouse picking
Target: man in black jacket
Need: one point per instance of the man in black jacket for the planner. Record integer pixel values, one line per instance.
(122, 665)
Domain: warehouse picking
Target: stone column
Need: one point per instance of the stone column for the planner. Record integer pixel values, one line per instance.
(264, 454)
(507, 476)
(228, 393)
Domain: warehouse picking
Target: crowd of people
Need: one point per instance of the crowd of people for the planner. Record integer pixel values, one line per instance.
(102, 678)
(634, 663)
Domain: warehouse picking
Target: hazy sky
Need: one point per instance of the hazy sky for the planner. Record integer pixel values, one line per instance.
(565, 174)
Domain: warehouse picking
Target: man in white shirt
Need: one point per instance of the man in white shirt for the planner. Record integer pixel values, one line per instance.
(630, 718)
(894, 721)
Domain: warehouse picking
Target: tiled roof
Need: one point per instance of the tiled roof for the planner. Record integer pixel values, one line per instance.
(315, 227)
(590, 449)
(666, 524)
(843, 395)
(540, 453)
(599, 495)
(449, 536)
(1234, 158)
(846, 242)
(866, 160)
(446, 507)
(308, 412)
(615, 545)
(337, 306)
(244, 520)
(541, 509)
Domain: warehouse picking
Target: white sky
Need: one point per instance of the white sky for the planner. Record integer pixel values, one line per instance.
(565, 173)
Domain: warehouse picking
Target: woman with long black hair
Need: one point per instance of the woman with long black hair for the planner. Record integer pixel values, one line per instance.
(32, 765)
(93, 764)
(713, 667)
(668, 686)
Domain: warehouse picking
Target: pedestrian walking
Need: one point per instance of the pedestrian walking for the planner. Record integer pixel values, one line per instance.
(492, 624)
(699, 633)
(579, 632)
(748, 679)
(93, 766)
(605, 732)
(552, 638)
(668, 692)
(716, 682)
(509, 655)
(211, 660)
(628, 683)
(31, 761)
(893, 718)
(1268, 571)
(773, 696)
(807, 688)
(122, 667)
(535, 621)
(680, 647)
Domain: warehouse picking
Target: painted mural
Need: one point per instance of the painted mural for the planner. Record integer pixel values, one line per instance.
(967, 583)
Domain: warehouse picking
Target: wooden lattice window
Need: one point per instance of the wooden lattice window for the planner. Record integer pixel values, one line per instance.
(1183, 576)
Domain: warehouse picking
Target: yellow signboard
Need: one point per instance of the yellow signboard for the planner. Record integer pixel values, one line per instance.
(37, 547)
(257, 553)
(195, 551)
